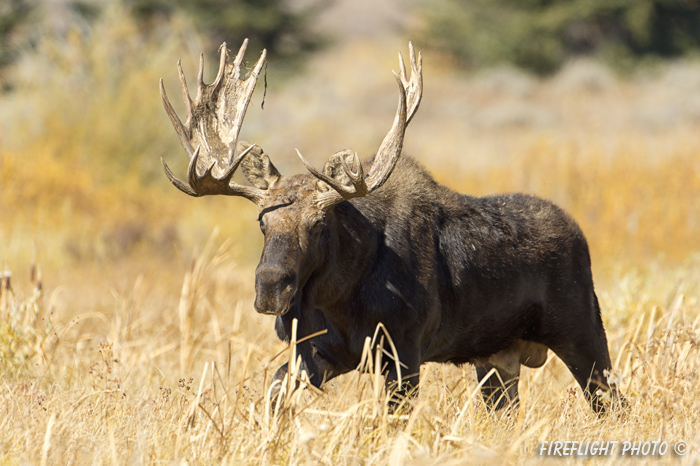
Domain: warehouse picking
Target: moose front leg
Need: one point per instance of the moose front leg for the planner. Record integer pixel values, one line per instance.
(318, 370)
(278, 381)
(401, 394)
(276, 384)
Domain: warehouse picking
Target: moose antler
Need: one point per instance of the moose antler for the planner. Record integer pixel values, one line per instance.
(210, 133)
(414, 87)
(410, 92)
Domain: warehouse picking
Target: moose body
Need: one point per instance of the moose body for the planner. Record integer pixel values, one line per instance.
(453, 278)
(493, 281)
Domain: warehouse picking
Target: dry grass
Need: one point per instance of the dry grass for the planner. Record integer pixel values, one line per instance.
(146, 383)
(130, 348)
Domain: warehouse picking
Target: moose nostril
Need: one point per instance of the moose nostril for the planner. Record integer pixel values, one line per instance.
(271, 275)
(274, 288)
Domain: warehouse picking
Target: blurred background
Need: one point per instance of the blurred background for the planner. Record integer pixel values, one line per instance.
(117, 291)
(594, 104)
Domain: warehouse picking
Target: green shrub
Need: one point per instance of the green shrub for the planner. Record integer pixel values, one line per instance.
(539, 35)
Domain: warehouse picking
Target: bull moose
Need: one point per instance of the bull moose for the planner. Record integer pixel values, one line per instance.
(494, 281)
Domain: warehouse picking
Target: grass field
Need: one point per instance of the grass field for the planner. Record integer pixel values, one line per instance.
(127, 331)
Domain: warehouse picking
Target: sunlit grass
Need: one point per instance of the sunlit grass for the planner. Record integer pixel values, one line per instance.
(140, 343)
(146, 386)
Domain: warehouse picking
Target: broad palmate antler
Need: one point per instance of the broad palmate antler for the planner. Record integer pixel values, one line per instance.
(210, 133)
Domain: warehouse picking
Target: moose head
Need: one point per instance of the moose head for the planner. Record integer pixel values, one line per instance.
(495, 281)
(294, 210)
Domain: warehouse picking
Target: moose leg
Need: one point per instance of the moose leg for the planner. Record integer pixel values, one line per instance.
(584, 350)
(276, 383)
(500, 389)
(278, 380)
(589, 362)
(318, 370)
(410, 377)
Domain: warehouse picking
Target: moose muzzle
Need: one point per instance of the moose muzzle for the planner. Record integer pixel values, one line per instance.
(274, 289)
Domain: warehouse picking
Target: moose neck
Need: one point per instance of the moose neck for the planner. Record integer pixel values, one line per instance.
(350, 244)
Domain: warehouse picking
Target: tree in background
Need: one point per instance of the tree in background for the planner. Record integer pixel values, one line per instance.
(539, 35)
(14, 16)
(267, 24)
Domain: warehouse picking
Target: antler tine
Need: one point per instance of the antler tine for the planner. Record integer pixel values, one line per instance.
(181, 131)
(207, 183)
(238, 61)
(184, 187)
(402, 66)
(185, 95)
(248, 88)
(356, 178)
(193, 178)
(414, 86)
(222, 67)
(200, 78)
(327, 179)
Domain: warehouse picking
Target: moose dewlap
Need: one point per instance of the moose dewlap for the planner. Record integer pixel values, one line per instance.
(494, 281)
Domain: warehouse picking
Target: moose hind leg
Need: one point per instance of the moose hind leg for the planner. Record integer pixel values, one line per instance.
(500, 389)
(584, 350)
(589, 364)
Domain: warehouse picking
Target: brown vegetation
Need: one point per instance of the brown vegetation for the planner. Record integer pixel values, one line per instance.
(135, 350)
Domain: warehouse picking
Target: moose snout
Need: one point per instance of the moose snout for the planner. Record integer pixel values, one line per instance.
(274, 289)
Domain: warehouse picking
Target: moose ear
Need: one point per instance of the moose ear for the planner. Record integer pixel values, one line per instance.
(257, 167)
(334, 169)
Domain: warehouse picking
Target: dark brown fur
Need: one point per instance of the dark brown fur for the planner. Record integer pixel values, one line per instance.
(494, 281)
(453, 278)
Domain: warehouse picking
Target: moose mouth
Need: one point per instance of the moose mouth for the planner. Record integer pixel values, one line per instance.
(272, 312)
(277, 304)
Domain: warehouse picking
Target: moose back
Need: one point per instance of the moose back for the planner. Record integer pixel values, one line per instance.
(494, 281)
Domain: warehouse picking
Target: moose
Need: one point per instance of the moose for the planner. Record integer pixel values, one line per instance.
(493, 281)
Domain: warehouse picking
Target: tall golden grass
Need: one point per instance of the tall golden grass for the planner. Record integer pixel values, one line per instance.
(149, 381)
(139, 343)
